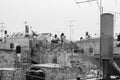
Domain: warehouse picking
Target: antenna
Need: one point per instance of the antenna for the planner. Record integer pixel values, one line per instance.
(88, 1)
(2, 29)
(116, 2)
(100, 6)
(101, 12)
(26, 29)
(115, 13)
(25, 23)
(71, 29)
(84, 1)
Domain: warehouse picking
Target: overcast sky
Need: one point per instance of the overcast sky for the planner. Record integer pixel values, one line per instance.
(54, 15)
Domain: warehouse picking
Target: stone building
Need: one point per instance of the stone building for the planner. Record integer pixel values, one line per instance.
(62, 54)
(92, 46)
(74, 57)
(11, 59)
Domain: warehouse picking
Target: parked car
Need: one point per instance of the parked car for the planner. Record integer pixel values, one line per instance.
(35, 73)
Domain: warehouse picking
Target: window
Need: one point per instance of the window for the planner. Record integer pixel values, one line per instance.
(90, 50)
(11, 45)
(77, 51)
(55, 60)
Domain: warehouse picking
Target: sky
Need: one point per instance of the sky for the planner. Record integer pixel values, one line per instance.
(54, 16)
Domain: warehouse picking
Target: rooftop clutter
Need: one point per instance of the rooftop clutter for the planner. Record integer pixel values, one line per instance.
(59, 40)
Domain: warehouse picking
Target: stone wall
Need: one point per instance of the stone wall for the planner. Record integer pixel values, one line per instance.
(7, 58)
(64, 73)
(23, 42)
(95, 45)
(18, 74)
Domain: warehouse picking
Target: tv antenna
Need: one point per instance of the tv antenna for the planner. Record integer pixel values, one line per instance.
(116, 2)
(115, 14)
(85, 1)
(25, 23)
(2, 29)
(88, 1)
(71, 29)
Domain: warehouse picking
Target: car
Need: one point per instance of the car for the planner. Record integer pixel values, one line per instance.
(35, 73)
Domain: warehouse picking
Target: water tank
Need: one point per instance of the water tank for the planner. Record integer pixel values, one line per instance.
(106, 37)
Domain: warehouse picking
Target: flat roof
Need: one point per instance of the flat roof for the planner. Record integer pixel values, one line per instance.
(48, 65)
(8, 69)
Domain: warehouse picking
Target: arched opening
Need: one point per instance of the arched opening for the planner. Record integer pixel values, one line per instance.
(18, 49)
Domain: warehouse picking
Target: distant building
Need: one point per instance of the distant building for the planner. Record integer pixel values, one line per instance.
(45, 36)
(92, 46)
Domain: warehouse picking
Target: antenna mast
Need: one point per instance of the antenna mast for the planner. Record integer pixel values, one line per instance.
(71, 29)
(2, 29)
